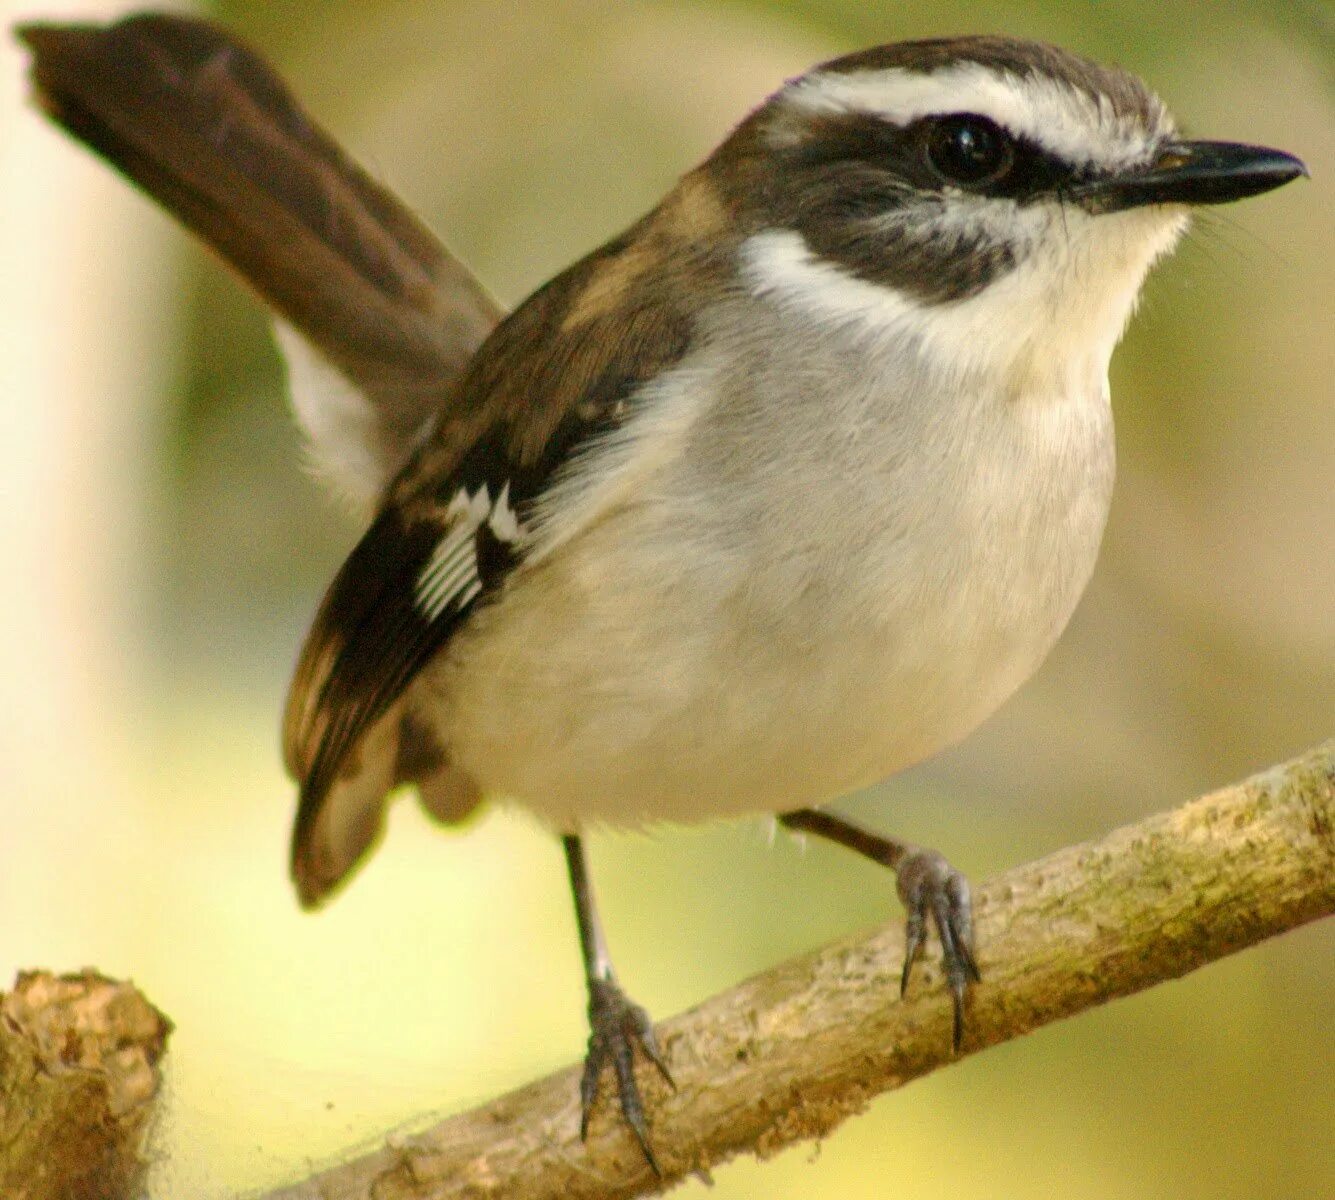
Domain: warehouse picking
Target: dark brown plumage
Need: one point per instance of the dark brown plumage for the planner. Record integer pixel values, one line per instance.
(204, 125)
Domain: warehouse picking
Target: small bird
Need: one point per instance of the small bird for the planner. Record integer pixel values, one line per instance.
(779, 492)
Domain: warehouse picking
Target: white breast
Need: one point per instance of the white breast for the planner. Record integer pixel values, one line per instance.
(845, 566)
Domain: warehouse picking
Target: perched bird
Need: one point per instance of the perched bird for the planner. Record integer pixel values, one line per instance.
(780, 491)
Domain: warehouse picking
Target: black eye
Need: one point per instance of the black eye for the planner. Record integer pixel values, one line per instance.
(969, 150)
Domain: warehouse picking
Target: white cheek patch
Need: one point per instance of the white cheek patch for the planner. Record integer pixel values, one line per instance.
(780, 264)
(1048, 325)
(451, 578)
(1064, 120)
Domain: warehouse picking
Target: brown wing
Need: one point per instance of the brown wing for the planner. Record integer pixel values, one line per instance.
(206, 127)
(547, 388)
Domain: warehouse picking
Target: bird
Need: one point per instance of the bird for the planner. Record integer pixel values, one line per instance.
(780, 491)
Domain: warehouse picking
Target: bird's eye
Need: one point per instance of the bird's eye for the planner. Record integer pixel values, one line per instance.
(969, 150)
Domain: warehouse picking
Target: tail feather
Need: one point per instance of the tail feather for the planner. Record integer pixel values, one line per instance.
(206, 127)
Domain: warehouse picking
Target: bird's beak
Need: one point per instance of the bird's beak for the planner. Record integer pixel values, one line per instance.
(1191, 173)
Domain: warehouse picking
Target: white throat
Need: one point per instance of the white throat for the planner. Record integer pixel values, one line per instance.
(1047, 327)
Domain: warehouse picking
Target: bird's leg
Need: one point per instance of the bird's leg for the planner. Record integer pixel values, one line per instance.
(928, 886)
(616, 1025)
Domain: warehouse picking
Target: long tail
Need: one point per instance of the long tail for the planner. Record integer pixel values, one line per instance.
(206, 127)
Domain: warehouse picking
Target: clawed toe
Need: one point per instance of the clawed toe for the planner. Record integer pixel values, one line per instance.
(616, 1027)
(930, 887)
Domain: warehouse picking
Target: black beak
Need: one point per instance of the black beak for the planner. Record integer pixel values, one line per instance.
(1191, 173)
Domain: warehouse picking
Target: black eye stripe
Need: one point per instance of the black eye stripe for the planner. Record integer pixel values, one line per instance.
(894, 158)
(840, 186)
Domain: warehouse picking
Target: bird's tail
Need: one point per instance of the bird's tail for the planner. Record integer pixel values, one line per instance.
(207, 128)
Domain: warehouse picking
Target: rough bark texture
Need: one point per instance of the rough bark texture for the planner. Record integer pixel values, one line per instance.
(791, 1053)
(78, 1079)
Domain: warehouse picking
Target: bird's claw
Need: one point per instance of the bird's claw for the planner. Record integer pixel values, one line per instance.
(930, 887)
(616, 1027)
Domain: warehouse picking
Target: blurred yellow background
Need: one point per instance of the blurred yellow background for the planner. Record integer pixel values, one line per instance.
(162, 551)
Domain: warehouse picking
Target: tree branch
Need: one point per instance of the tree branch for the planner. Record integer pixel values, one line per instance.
(791, 1053)
(78, 1080)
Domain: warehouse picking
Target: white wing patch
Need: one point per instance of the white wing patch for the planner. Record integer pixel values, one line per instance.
(504, 524)
(451, 578)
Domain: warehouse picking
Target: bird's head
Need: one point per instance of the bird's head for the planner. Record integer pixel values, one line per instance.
(996, 201)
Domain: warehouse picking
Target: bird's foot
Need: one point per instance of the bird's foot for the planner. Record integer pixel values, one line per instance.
(616, 1027)
(931, 888)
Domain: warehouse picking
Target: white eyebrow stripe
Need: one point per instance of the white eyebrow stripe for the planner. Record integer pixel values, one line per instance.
(1063, 119)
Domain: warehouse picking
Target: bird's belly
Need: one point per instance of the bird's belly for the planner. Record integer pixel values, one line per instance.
(643, 675)
(682, 728)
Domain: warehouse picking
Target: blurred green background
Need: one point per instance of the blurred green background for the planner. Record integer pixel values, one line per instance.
(163, 550)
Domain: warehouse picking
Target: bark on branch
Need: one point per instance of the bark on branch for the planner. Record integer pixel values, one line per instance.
(791, 1053)
(78, 1077)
